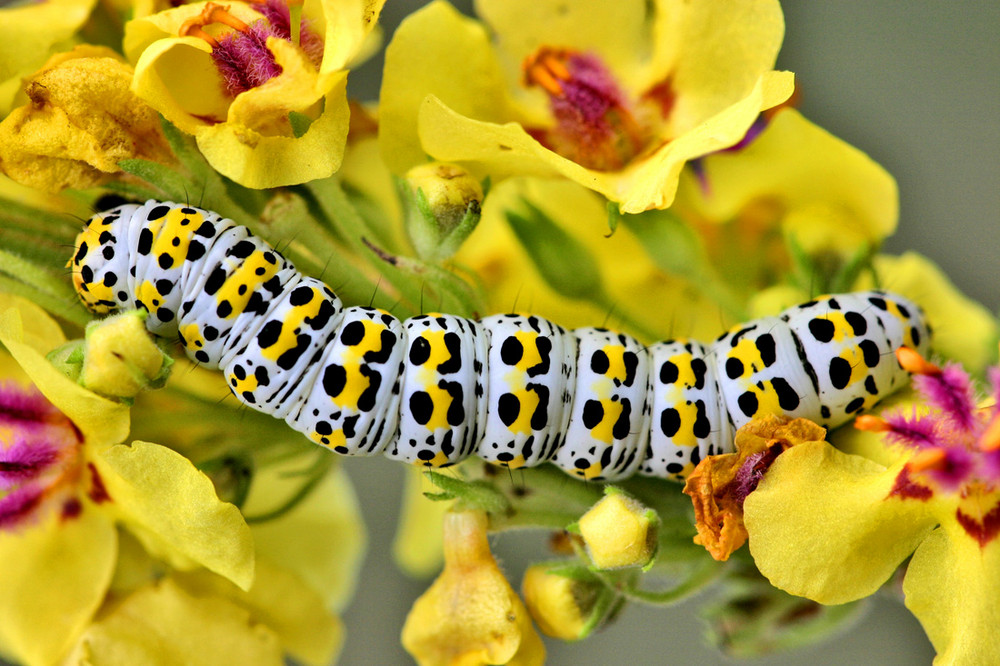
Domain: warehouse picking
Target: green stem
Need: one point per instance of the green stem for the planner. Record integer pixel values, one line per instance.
(316, 474)
(707, 571)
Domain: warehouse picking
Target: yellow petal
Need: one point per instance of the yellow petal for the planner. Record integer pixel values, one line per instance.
(163, 624)
(822, 525)
(964, 330)
(101, 421)
(172, 507)
(829, 193)
(40, 331)
(283, 603)
(458, 65)
(953, 587)
(54, 578)
(346, 25)
(615, 31)
(248, 149)
(177, 78)
(714, 53)
(322, 540)
(28, 34)
(418, 548)
(648, 182)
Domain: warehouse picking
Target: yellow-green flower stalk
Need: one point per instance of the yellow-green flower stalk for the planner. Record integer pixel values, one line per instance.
(79, 122)
(67, 483)
(266, 110)
(470, 615)
(833, 527)
(615, 96)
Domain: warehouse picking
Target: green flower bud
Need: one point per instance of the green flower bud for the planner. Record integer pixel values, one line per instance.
(442, 203)
(619, 531)
(121, 358)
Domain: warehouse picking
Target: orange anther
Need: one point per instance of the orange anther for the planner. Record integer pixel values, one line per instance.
(914, 363)
(870, 423)
(928, 459)
(990, 439)
(213, 13)
(193, 28)
(538, 75)
(555, 65)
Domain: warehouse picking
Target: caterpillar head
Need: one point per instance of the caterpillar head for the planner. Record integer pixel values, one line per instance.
(99, 265)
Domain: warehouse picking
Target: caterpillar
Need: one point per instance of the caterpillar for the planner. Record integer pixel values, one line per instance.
(516, 390)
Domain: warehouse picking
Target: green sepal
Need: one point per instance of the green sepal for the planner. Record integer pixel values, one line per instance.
(68, 358)
(472, 494)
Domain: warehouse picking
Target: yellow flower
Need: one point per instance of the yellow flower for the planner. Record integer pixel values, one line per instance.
(619, 531)
(120, 357)
(564, 605)
(29, 33)
(70, 483)
(264, 111)
(616, 96)
(796, 178)
(80, 121)
(833, 527)
(307, 560)
(470, 615)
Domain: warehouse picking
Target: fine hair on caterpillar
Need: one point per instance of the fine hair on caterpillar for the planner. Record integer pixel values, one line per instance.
(516, 390)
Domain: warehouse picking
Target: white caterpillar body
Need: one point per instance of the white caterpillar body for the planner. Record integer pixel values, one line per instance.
(515, 390)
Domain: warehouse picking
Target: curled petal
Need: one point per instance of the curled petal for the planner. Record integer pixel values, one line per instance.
(172, 507)
(822, 524)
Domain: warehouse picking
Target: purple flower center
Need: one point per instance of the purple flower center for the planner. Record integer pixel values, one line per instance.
(39, 448)
(242, 56)
(596, 123)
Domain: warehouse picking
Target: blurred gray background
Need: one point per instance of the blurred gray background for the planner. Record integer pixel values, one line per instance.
(917, 86)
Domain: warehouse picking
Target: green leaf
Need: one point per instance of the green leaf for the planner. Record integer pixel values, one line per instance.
(173, 185)
(564, 262)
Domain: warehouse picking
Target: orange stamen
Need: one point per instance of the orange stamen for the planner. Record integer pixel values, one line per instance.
(911, 361)
(928, 459)
(193, 28)
(545, 68)
(870, 423)
(990, 439)
(214, 13)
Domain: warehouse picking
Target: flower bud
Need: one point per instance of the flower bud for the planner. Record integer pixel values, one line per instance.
(619, 531)
(564, 605)
(121, 357)
(470, 614)
(442, 203)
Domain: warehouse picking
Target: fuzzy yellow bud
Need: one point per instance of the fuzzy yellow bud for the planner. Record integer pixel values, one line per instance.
(619, 531)
(121, 357)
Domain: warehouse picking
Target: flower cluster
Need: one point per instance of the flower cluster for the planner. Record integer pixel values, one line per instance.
(634, 163)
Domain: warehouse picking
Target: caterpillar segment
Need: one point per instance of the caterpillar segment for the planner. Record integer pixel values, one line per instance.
(516, 390)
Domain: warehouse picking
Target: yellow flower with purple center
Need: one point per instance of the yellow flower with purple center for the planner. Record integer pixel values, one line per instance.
(834, 527)
(66, 484)
(615, 96)
(263, 93)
